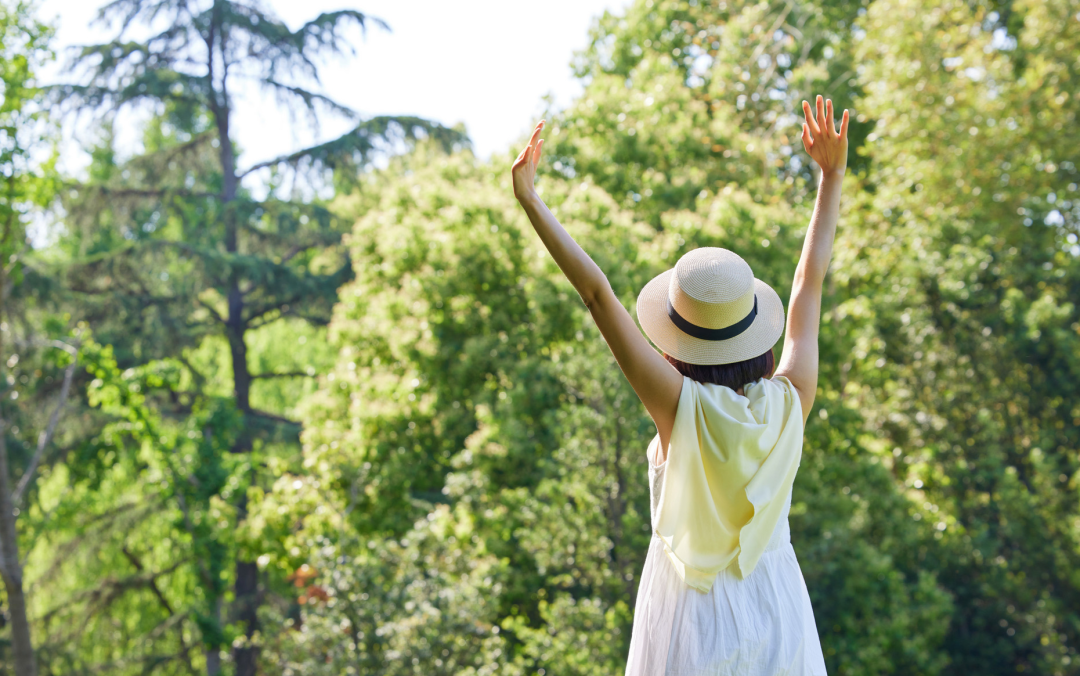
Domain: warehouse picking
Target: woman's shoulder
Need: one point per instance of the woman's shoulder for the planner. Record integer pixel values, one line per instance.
(762, 398)
(775, 384)
(785, 385)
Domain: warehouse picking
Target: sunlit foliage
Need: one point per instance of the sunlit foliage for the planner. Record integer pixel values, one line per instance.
(468, 492)
(686, 122)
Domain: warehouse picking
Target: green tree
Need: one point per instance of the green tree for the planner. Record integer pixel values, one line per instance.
(470, 493)
(446, 391)
(961, 276)
(708, 94)
(458, 334)
(935, 509)
(137, 508)
(24, 183)
(171, 253)
(685, 98)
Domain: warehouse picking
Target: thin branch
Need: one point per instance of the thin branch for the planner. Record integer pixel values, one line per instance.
(156, 590)
(212, 311)
(190, 528)
(153, 583)
(843, 76)
(200, 379)
(292, 253)
(16, 259)
(772, 30)
(275, 418)
(290, 374)
(309, 98)
(46, 436)
(144, 192)
(299, 248)
(366, 138)
(101, 597)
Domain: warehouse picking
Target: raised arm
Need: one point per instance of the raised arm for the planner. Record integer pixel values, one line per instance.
(656, 382)
(799, 361)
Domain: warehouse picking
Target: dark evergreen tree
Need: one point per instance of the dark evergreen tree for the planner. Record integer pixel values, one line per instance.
(169, 247)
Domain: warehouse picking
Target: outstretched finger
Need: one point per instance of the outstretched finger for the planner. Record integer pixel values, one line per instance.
(539, 151)
(843, 125)
(819, 105)
(806, 140)
(809, 118)
(536, 133)
(830, 123)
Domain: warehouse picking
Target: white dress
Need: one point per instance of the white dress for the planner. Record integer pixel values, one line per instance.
(762, 625)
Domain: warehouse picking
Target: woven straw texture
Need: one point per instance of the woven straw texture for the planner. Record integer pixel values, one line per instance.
(712, 288)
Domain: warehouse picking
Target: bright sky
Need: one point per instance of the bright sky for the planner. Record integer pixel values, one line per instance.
(486, 63)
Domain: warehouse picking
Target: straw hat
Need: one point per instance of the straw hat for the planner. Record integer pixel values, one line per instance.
(709, 309)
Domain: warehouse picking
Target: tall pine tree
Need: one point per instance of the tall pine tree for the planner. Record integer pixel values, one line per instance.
(170, 248)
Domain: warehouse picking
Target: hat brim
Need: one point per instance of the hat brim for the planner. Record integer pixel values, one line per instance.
(768, 326)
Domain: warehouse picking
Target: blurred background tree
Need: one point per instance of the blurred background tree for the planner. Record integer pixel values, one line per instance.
(441, 470)
(29, 359)
(172, 260)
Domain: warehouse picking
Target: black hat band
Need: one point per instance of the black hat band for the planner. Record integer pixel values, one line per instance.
(726, 333)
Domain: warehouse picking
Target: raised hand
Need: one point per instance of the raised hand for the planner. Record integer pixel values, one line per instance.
(524, 169)
(821, 140)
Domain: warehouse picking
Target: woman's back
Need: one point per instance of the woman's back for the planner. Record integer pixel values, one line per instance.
(730, 465)
(757, 623)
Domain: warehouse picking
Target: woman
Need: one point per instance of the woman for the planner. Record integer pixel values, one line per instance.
(721, 592)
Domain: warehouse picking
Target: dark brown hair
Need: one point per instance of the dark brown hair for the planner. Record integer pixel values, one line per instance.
(729, 375)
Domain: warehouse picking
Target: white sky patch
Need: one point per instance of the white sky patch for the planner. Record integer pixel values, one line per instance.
(485, 63)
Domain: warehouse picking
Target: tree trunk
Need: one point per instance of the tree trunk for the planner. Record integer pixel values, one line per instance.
(10, 568)
(213, 662)
(246, 602)
(246, 608)
(247, 599)
(213, 655)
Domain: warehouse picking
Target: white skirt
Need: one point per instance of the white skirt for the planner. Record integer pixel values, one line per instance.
(759, 626)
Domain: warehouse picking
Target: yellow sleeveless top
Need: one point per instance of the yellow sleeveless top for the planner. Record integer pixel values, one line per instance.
(731, 463)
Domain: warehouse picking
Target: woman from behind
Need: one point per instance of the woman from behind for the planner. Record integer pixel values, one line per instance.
(721, 592)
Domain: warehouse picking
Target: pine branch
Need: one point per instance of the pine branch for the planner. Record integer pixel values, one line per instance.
(216, 264)
(309, 99)
(289, 374)
(263, 284)
(163, 156)
(353, 148)
(290, 289)
(275, 418)
(131, 9)
(265, 39)
(96, 96)
(322, 235)
(322, 30)
(299, 248)
(141, 192)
